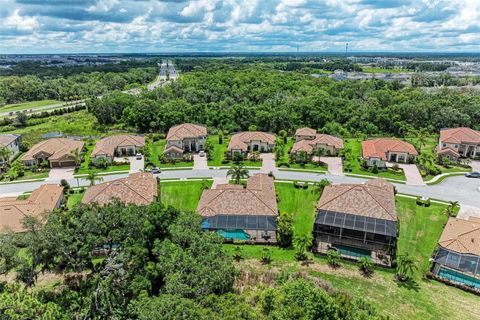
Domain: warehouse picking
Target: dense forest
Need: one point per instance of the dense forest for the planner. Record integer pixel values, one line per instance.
(233, 99)
(14, 89)
(148, 262)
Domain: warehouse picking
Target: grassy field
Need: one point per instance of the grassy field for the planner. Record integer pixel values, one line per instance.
(27, 105)
(74, 199)
(218, 154)
(182, 194)
(156, 149)
(356, 146)
(300, 202)
(383, 70)
(79, 123)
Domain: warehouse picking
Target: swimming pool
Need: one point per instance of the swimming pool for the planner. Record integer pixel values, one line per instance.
(234, 234)
(353, 252)
(459, 277)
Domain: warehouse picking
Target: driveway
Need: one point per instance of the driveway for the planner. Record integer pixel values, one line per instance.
(335, 166)
(136, 165)
(268, 162)
(413, 176)
(468, 211)
(57, 174)
(219, 180)
(475, 166)
(200, 162)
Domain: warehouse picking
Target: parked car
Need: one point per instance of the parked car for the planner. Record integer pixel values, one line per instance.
(138, 156)
(472, 175)
(155, 170)
(201, 153)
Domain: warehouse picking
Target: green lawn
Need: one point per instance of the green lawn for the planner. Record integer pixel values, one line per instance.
(218, 154)
(79, 123)
(383, 70)
(448, 170)
(112, 168)
(156, 149)
(300, 202)
(356, 148)
(27, 105)
(182, 194)
(74, 199)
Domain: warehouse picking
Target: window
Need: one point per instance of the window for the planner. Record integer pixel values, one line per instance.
(456, 146)
(444, 144)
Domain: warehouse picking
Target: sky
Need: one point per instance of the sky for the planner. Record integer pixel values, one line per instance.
(116, 26)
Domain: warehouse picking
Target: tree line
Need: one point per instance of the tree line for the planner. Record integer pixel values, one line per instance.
(234, 100)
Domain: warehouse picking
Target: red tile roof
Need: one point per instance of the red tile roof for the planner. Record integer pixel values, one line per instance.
(374, 199)
(462, 236)
(186, 130)
(55, 148)
(138, 188)
(460, 135)
(107, 146)
(240, 140)
(378, 148)
(308, 145)
(305, 132)
(258, 198)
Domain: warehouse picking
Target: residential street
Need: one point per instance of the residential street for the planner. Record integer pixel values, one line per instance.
(457, 188)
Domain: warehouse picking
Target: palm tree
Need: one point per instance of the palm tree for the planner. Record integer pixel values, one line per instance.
(405, 267)
(238, 172)
(422, 138)
(254, 156)
(5, 154)
(426, 160)
(92, 176)
(301, 243)
(319, 153)
(319, 186)
(76, 157)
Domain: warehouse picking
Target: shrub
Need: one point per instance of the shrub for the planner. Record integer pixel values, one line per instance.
(375, 169)
(64, 183)
(237, 255)
(285, 229)
(333, 258)
(266, 255)
(424, 202)
(366, 265)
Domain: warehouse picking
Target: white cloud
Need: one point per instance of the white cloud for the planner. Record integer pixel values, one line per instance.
(21, 22)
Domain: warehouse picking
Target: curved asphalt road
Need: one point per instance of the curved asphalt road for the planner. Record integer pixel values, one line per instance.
(456, 188)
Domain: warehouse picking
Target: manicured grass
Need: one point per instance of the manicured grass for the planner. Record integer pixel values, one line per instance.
(218, 154)
(112, 168)
(79, 123)
(451, 169)
(355, 146)
(182, 194)
(74, 199)
(27, 105)
(383, 70)
(300, 202)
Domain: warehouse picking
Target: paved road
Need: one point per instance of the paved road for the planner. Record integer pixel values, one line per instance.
(457, 188)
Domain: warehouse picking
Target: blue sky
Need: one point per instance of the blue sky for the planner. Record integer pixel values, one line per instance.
(68, 26)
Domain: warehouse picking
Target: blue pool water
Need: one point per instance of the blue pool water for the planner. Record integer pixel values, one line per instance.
(353, 252)
(234, 234)
(459, 277)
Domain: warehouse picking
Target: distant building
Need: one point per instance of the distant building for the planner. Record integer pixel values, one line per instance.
(457, 259)
(249, 141)
(57, 151)
(240, 213)
(138, 188)
(185, 138)
(378, 152)
(456, 143)
(118, 146)
(358, 220)
(43, 200)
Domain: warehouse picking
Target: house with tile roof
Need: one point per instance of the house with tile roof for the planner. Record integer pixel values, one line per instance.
(248, 141)
(455, 143)
(118, 146)
(308, 140)
(138, 188)
(358, 220)
(185, 138)
(244, 213)
(12, 143)
(57, 151)
(377, 152)
(42, 201)
(457, 259)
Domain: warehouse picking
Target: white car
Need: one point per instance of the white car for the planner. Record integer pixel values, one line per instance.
(138, 156)
(201, 153)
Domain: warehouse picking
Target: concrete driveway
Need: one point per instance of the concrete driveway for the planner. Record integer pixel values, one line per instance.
(268, 162)
(335, 166)
(200, 162)
(413, 176)
(136, 165)
(475, 166)
(57, 174)
(468, 211)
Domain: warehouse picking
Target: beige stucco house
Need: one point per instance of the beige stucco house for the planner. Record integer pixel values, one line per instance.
(185, 138)
(457, 143)
(308, 140)
(117, 146)
(378, 152)
(57, 151)
(248, 141)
